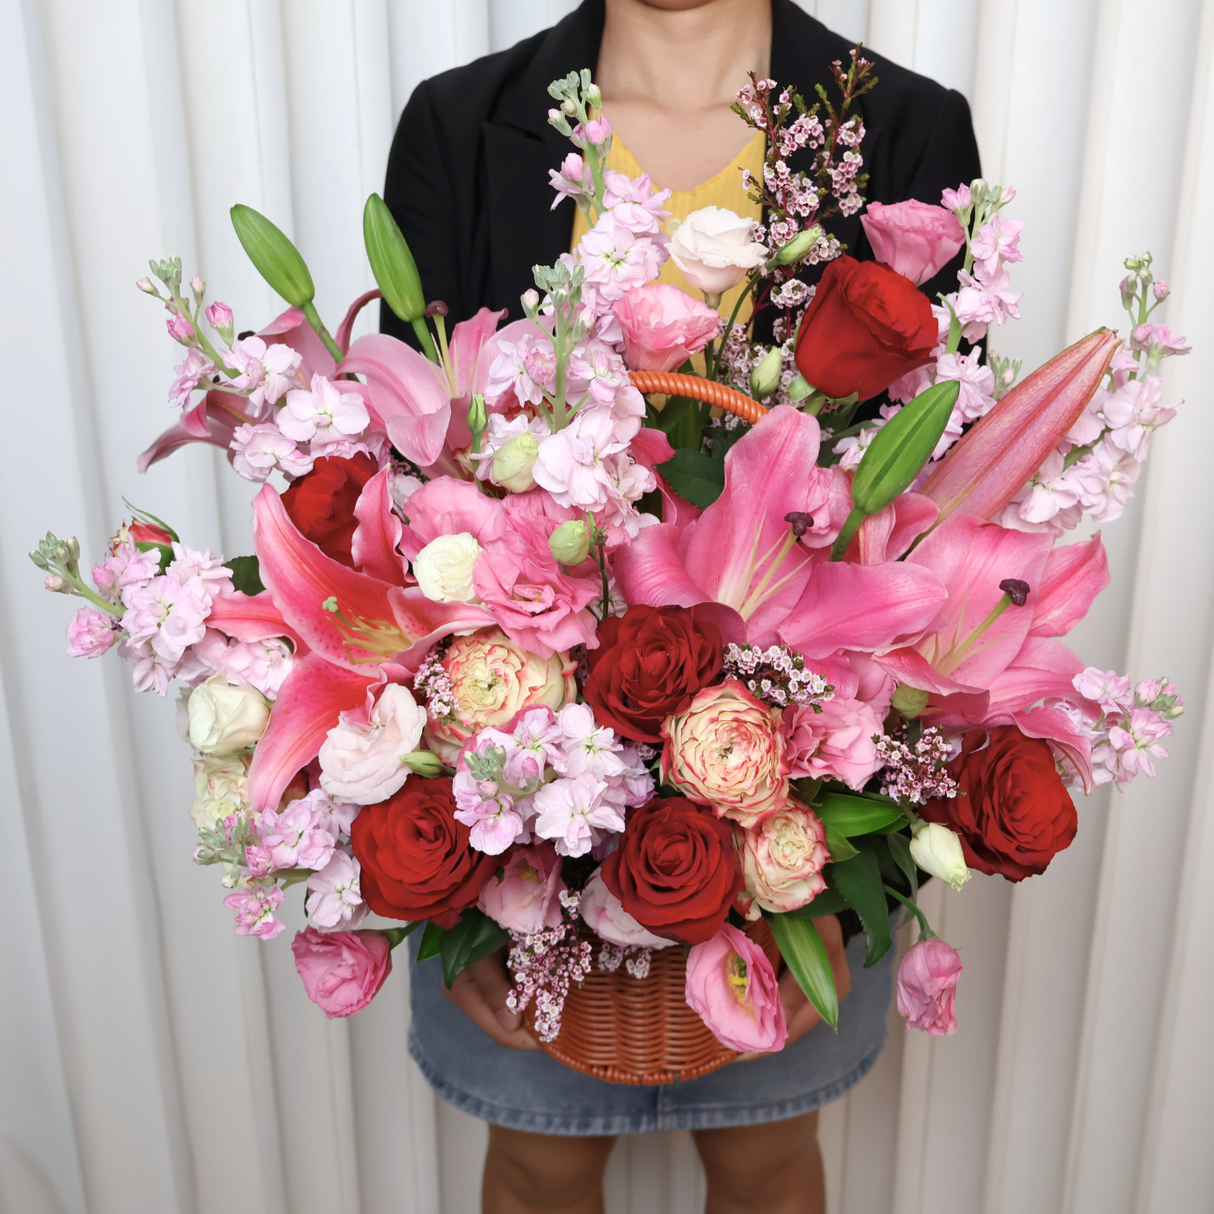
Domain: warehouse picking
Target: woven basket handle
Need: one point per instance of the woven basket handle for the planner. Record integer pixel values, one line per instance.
(707, 390)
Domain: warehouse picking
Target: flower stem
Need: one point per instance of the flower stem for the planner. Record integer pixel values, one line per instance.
(925, 932)
(313, 318)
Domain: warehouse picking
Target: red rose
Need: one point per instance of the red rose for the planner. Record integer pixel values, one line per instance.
(321, 504)
(415, 857)
(866, 327)
(1013, 813)
(675, 870)
(648, 666)
(149, 533)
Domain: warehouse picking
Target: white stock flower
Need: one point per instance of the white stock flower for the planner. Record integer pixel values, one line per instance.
(937, 850)
(714, 249)
(334, 896)
(361, 761)
(225, 718)
(221, 789)
(443, 568)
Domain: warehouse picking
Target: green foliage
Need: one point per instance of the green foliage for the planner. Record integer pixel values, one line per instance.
(432, 939)
(856, 815)
(473, 937)
(805, 954)
(697, 478)
(246, 574)
(858, 881)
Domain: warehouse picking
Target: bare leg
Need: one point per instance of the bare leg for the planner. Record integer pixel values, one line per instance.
(543, 1173)
(764, 1169)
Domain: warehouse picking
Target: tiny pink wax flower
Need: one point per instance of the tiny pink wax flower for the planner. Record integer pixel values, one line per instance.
(927, 987)
(731, 985)
(341, 971)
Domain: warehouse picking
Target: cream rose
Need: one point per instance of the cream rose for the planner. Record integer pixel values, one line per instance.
(226, 717)
(443, 568)
(782, 858)
(362, 756)
(714, 249)
(221, 789)
(493, 679)
(727, 751)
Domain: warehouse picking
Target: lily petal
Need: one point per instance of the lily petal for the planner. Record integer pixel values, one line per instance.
(342, 336)
(886, 535)
(250, 617)
(1074, 575)
(378, 532)
(468, 341)
(650, 570)
(291, 329)
(212, 421)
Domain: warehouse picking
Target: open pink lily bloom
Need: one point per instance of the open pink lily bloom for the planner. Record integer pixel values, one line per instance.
(742, 553)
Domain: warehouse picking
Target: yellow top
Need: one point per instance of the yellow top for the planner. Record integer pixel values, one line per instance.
(723, 190)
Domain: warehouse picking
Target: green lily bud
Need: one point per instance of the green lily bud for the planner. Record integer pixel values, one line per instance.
(902, 446)
(798, 246)
(391, 261)
(765, 378)
(909, 701)
(277, 260)
(513, 461)
(570, 542)
(423, 763)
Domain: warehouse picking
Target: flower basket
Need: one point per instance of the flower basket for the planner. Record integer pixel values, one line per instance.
(627, 1030)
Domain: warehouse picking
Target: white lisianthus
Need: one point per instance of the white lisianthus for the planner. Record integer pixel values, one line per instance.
(443, 568)
(714, 249)
(937, 850)
(226, 717)
(362, 760)
(221, 789)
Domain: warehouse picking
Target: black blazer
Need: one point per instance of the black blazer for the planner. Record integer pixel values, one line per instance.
(468, 172)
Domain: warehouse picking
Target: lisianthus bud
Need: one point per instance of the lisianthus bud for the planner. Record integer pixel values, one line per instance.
(937, 850)
(765, 378)
(226, 718)
(423, 763)
(513, 461)
(276, 259)
(909, 701)
(798, 246)
(570, 542)
(391, 261)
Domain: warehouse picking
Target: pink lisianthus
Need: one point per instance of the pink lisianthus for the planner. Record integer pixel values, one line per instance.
(914, 238)
(255, 909)
(732, 987)
(523, 895)
(835, 742)
(663, 326)
(927, 987)
(90, 633)
(605, 914)
(782, 858)
(361, 758)
(341, 971)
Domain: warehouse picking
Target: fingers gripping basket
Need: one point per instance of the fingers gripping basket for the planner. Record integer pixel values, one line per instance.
(628, 1030)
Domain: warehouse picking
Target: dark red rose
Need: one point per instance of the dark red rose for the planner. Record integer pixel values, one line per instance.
(1015, 813)
(149, 533)
(648, 665)
(415, 857)
(866, 327)
(675, 870)
(321, 503)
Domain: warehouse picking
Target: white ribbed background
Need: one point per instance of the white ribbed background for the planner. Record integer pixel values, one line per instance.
(151, 1062)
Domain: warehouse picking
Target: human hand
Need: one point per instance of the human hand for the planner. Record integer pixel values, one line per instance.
(480, 993)
(800, 1014)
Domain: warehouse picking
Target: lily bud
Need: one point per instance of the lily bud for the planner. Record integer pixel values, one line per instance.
(570, 542)
(902, 446)
(513, 461)
(765, 378)
(937, 850)
(909, 701)
(423, 763)
(798, 246)
(276, 259)
(391, 261)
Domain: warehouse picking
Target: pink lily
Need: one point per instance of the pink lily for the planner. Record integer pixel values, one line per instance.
(995, 459)
(743, 553)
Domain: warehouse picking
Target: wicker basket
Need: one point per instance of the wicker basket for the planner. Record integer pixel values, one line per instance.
(627, 1030)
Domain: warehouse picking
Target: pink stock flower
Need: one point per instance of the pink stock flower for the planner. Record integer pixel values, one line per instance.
(572, 180)
(266, 371)
(615, 260)
(334, 895)
(126, 566)
(219, 315)
(914, 238)
(1133, 412)
(180, 328)
(570, 463)
(995, 243)
(577, 814)
(605, 915)
(524, 896)
(958, 199)
(196, 367)
(663, 326)
(170, 615)
(263, 664)
(1108, 688)
(341, 971)
(259, 450)
(255, 909)
(293, 838)
(322, 412)
(90, 633)
(1151, 336)
(836, 742)
(733, 989)
(782, 858)
(927, 987)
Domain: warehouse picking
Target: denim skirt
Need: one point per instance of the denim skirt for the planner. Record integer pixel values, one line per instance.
(528, 1090)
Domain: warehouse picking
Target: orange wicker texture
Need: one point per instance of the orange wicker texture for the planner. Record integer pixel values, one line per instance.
(624, 1030)
(707, 390)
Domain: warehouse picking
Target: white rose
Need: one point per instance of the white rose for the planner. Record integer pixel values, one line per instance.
(363, 763)
(443, 568)
(224, 717)
(221, 789)
(714, 249)
(937, 850)
(606, 915)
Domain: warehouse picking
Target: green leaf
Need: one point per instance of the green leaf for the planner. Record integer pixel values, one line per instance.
(828, 902)
(276, 259)
(697, 478)
(394, 935)
(246, 574)
(805, 954)
(838, 846)
(432, 939)
(473, 937)
(859, 881)
(899, 849)
(856, 815)
(679, 420)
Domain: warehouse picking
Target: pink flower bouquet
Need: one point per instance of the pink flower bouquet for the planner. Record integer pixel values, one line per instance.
(530, 663)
